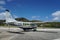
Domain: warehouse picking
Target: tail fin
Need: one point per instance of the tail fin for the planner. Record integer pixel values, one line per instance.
(9, 17)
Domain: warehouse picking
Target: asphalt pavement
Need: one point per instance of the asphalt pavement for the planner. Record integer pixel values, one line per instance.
(19, 34)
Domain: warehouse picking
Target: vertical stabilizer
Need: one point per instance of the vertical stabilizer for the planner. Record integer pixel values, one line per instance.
(9, 17)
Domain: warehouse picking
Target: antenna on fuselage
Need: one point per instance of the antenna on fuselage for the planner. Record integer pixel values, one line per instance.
(7, 10)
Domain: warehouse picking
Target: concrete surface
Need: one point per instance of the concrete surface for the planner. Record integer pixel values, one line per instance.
(19, 34)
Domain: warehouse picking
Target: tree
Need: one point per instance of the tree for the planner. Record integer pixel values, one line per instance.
(2, 22)
(22, 19)
(36, 21)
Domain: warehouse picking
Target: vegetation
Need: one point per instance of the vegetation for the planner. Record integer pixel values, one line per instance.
(2, 22)
(53, 24)
(35, 21)
(22, 19)
(44, 25)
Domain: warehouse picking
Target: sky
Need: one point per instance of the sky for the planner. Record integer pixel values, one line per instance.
(44, 10)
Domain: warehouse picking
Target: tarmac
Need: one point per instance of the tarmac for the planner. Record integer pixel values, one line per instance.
(19, 34)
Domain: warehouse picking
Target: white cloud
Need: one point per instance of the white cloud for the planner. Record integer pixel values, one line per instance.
(33, 16)
(9, 0)
(46, 17)
(2, 16)
(56, 15)
(56, 18)
(36, 17)
(15, 16)
(2, 2)
(2, 8)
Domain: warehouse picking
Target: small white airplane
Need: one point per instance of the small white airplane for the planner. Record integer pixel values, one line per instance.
(24, 25)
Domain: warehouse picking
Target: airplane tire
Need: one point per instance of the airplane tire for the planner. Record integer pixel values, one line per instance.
(26, 29)
(34, 29)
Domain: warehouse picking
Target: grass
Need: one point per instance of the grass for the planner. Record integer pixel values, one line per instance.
(9, 26)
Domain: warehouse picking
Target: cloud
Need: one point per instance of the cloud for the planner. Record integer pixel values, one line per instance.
(56, 16)
(46, 17)
(2, 16)
(15, 16)
(36, 17)
(2, 2)
(2, 8)
(9, 0)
